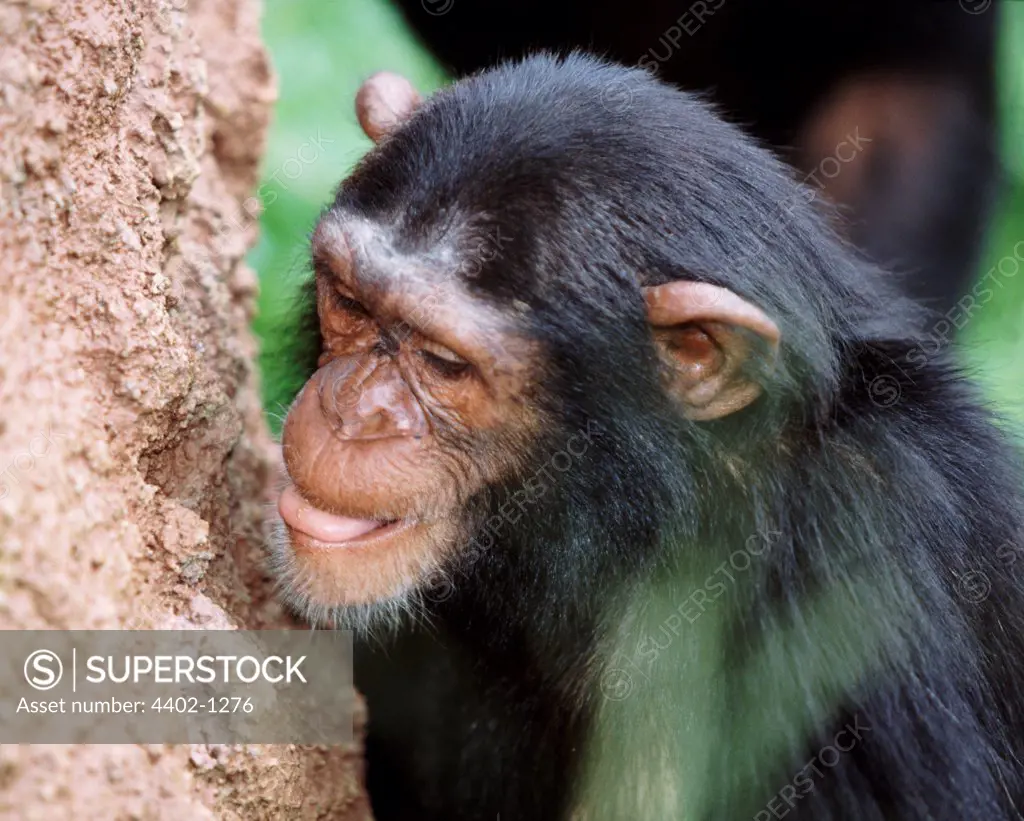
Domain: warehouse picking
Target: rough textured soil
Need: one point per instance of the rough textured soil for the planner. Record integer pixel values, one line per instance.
(132, 448)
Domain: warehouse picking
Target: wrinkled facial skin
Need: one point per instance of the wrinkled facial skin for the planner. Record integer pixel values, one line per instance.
(419, 402)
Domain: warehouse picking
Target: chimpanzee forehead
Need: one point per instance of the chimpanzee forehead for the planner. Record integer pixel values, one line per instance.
(382, 262)
(457, 260)
(510, 233)
(530, 183)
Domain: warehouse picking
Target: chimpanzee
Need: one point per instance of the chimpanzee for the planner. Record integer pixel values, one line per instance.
(887, 107)
(613, 455)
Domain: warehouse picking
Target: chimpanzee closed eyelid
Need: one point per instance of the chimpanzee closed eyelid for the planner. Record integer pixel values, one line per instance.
(693, 567)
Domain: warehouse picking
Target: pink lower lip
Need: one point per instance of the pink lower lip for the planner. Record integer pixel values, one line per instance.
(328, 528)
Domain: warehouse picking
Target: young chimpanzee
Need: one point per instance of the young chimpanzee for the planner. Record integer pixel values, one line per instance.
(612, 452)
(888, 107)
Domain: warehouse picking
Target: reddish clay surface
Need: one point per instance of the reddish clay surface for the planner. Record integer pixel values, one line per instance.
(132, 448)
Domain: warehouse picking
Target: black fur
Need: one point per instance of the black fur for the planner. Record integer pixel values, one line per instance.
(878, 508)
(767, 65)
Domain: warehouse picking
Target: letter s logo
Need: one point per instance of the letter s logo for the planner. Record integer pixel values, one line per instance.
(43, 669)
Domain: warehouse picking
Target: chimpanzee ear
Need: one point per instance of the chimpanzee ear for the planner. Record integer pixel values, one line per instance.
(384, 102)
(710, 339)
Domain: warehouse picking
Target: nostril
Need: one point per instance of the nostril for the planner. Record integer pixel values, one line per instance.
(363, 424)
(376, 424)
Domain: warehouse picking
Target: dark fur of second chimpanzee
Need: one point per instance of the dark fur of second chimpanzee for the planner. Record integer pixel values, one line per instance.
(866, 459)
(767, 65)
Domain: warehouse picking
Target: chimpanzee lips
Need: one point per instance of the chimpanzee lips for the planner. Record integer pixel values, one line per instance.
(324, 527)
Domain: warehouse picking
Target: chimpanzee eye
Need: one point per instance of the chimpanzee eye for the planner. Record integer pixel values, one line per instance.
(347, 303)
(445, 362)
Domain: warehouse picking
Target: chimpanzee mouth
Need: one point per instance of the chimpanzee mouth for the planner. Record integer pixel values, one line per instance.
(327, 530)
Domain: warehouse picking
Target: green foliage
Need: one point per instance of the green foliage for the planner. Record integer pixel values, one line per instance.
(321, 52)
(992, 341)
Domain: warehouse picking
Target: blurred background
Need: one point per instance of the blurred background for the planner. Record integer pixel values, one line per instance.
(323, 51)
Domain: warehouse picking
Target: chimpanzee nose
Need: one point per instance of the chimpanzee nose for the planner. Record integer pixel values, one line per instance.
(369, 400)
